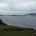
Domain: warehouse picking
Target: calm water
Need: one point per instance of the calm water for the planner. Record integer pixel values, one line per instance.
(22, 21)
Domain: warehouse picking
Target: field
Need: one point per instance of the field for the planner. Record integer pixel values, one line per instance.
(16, 33)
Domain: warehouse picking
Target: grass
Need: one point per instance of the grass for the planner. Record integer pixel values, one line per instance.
(16, 33)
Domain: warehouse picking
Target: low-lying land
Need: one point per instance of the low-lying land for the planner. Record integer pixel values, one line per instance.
(8, 30)
(15, 31)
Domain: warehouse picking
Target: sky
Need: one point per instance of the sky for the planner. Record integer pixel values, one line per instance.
(17, 7)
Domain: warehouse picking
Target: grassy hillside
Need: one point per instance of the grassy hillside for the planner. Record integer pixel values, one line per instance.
(7, 30)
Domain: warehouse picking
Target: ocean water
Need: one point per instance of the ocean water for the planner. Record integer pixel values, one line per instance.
(21, 21)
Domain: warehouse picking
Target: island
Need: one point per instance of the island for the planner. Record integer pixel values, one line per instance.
(32, 14)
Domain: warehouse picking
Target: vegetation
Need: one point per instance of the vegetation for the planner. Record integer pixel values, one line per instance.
(16, 33)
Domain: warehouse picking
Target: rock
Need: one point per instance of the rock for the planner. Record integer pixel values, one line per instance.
(2, 23)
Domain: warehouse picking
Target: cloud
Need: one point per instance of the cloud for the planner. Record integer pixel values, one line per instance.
(3, 6)
(17, 6)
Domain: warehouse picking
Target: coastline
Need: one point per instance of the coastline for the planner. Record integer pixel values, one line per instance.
(10, 30)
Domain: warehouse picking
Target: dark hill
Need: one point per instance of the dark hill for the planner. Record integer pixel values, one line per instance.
(2, 23)
(32, 14)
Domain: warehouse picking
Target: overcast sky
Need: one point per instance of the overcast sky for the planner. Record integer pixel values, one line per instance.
(17, 6)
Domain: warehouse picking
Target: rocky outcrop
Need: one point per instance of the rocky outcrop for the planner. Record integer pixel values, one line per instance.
(2, 23)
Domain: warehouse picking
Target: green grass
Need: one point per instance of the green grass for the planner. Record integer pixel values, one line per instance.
(16, 33)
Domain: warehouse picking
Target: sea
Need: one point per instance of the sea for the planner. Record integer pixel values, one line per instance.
(20, 21)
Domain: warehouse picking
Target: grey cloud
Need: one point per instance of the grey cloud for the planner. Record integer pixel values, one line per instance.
(18, 6)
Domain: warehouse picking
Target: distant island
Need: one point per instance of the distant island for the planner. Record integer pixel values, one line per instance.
(12, 15)
(32, 14)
